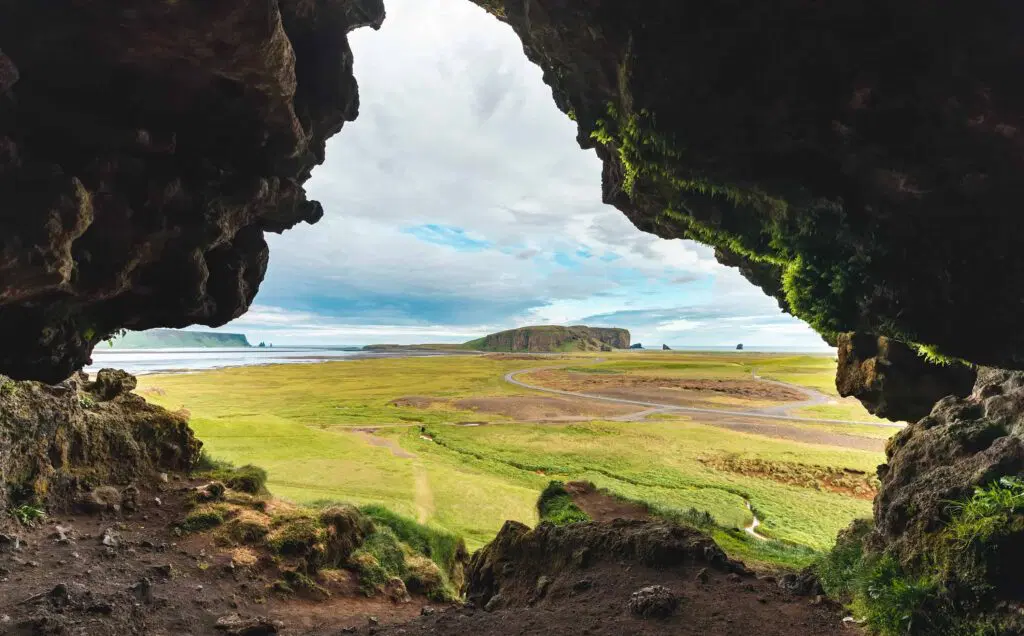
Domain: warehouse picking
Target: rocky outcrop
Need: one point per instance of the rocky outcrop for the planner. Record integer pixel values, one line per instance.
(551, 338)
(59, 441)
(145, 148)
(512, 563)
(934, 522)
(894, 381)
(963, 443)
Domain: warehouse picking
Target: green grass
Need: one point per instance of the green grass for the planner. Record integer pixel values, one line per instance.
(296, 421)
(555, 504)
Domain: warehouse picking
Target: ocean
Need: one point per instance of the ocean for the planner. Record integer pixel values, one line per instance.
(144, 361)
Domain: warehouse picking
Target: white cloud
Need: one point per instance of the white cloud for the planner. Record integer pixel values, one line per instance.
(457, 129)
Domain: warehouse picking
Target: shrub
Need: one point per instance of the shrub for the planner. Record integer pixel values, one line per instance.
(946, 588)
(556, 505)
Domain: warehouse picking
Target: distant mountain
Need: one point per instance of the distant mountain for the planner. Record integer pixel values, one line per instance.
(544, 339)
(178, 338)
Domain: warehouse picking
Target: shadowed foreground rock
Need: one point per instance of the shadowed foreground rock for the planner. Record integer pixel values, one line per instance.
(56, 441)
(894, 381)
(144, 150)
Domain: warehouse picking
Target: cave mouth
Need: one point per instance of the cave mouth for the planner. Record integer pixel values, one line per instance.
(859, 163)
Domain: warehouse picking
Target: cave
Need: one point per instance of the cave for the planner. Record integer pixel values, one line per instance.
(860, 162)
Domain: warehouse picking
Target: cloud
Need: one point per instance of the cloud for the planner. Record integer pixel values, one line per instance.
(459, 200)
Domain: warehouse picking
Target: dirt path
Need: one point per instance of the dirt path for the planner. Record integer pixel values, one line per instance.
(424, 495)
(385, 442)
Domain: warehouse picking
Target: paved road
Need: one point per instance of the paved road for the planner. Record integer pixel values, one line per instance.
(510, 377)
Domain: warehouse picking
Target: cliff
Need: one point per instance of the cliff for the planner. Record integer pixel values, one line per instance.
(544, 339)
(175, 338)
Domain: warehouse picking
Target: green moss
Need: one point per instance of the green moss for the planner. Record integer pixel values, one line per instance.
(296, 582)
(379, 559)
(8, 387)
(297, 535)
(556, 506)
(203, 518)
(249, 479)
(444, 548)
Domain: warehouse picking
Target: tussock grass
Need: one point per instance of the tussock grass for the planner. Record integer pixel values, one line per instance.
(555, 505)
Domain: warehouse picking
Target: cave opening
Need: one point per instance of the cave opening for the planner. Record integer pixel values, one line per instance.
(858, 163)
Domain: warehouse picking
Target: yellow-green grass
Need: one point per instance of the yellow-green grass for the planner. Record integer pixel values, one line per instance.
(296, 421)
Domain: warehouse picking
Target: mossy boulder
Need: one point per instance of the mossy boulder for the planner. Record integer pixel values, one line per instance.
(59, 441)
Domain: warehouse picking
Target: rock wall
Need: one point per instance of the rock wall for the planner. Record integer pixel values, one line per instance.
(56, 441)
(145, 147)
(552, 338)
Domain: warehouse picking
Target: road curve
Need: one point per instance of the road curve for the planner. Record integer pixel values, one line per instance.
(510, 377)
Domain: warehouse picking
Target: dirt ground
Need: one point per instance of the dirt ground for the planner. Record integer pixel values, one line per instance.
(148, 581)
(602, 507)
(593, 601)
(791, 431)
(666, 390)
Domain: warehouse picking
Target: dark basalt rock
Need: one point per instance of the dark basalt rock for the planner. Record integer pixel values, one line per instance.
(144, 150)
(892, 380)
(62, 446)
(963, 443)
(513, 562)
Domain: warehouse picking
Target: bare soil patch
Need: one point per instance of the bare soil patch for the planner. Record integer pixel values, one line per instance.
(417, 401)
(384, 442)
(530, 407)
(848, 482)
(794, 432)
(670, 390)
(601, 506)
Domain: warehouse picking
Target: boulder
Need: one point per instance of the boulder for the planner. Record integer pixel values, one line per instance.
(653, 601)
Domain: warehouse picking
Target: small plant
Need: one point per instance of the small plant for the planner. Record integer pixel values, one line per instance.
(8, 387)
(992, 511)
(27, 514)
(86, 402)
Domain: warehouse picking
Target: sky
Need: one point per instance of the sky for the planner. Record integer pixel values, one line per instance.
(459, 204)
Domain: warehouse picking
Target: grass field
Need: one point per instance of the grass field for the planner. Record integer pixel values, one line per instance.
(302, 423)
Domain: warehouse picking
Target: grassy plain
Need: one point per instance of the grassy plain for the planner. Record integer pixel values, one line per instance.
(301, 423)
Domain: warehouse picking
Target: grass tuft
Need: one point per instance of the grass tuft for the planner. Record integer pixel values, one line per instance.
(556, 506)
